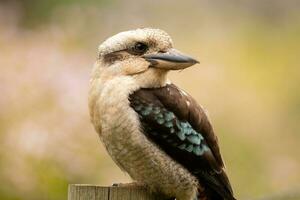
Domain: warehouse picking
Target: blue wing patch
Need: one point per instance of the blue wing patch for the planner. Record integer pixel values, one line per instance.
(163, 124)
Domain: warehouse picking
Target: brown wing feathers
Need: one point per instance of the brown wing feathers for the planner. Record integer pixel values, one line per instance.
(185, 107)
(179, 126)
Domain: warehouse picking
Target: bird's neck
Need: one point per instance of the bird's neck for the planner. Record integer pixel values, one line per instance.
(111, 93)
(152, 78)
(114, 93)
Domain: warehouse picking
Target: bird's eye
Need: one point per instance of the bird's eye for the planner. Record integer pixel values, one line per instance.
(140, 48)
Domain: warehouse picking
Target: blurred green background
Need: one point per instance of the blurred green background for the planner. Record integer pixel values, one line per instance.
(248, 80)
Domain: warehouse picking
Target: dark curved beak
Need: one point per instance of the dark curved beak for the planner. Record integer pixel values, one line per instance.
(170, 60)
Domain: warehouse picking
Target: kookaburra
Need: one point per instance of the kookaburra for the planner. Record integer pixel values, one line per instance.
(153, 130)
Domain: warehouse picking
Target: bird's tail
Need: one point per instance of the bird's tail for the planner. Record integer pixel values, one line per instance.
(216, 187)
(212, 195)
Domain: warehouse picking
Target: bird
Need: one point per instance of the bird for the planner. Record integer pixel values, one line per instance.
(153, 130)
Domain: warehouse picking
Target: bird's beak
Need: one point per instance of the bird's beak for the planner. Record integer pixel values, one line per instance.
(170, 60)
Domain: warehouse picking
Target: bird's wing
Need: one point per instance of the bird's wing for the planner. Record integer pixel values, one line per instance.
(179, 126)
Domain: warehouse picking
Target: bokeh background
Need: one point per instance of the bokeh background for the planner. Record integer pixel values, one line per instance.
(248, 80)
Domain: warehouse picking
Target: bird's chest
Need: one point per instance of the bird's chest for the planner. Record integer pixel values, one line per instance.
(143, 161)
(120, 132)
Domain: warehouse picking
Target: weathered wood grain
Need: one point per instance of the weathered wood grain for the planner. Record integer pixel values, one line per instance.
(93, 192)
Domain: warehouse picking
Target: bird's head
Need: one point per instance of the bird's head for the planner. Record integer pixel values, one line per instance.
(143, 54)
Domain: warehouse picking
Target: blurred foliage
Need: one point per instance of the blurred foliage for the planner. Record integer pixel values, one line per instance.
(248, 79)
(36, 12)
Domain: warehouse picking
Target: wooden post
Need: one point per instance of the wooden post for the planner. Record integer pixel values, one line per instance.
(93, 192)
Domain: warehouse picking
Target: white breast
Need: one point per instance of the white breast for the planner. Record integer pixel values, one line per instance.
(119, 129)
